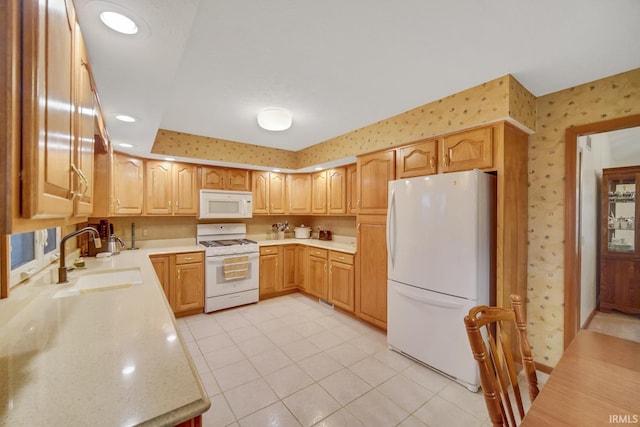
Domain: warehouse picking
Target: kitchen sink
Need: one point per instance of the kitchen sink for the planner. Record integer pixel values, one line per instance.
(101, 281)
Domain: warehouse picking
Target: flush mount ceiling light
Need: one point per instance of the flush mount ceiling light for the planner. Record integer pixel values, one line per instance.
(274, 119)
(118, 22)
(125, 118)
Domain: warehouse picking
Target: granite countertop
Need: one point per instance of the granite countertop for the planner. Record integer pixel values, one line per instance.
(109, 358)
(339, 243)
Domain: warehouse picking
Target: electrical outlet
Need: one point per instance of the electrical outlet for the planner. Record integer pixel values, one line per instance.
(145, 232)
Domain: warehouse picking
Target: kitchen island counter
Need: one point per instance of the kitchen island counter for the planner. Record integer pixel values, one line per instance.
(105, 358)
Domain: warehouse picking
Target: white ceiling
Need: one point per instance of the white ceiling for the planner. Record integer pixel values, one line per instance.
(206, 67)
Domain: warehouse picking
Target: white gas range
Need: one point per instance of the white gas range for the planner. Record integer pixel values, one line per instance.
(231, 266)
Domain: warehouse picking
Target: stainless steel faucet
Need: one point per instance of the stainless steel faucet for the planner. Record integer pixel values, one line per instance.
(62, 270)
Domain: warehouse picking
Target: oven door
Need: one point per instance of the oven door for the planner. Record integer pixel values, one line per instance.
(228, 274)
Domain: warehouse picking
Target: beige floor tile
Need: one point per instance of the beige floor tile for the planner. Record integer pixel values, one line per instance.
(210, 384)
(372, 371)
(342, 418)
(301, 349)
(376, 410)
(472, 403)
(406, 393)
(230, 321)
(250, 397)
(224, 357)
(219, 414)
(184, 330)
(346, 331)
(235, 374)
(200, 363)
(370, 344)
(272, 325)
(347, 354)
(344, 386)
(283, 336)
(426, 377)
(257, 316)
(275, 415)
(193, 348)
(394, 360)
(288, 380)
(205, 328)
(617, 324)
(214, 342)
(194, 318)
(439, 412)
(244, 333)
(326, 339)
(254, 346)
(308, 328)
(319, 366)
(270, 361)
(412, 421)
(312, 404)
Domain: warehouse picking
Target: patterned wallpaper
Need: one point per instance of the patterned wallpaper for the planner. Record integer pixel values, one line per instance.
(172, 143)
(491, 101)
(608, 98)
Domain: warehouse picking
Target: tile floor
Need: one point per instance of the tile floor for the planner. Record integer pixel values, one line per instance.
(616, 324)
(291, 361)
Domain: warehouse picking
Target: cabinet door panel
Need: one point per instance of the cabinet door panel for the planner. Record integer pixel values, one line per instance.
(341, 285)
(299, 193)
(277, 193)
(270, 273)
(213, 178)
(161, 264)
(128, 184)
(374, 172)
(289, 253)
(158, 189)
(468, 150)
(238, 180)
(47, 109)
(317, 279)
(371, 291)
(260, 188)
(417, 159)
(337, 191)
(189, 287)
(352, 189)
(319, 193)
(185, 189)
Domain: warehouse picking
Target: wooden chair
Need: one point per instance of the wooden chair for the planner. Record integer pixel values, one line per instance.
(498, 375)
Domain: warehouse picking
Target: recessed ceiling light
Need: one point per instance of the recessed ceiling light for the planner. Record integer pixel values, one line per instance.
(124, 145)
(276, 170)
(318, 168)
(118, 22)
(125, 118)
(274, 119)
(169, 159)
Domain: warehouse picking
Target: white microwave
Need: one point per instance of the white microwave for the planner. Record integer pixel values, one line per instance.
(222, 204)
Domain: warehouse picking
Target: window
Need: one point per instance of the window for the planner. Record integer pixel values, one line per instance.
(31, 252)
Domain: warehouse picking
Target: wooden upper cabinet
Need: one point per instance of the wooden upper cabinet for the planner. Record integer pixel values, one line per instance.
(472, 149)
(418, 159)
(337, 191)
(277, 193)
(260, 189)
(185, 189)
(157, 188)
(319, 192)
(170, 188)
(299, 193)
(218, 178)
(352, 190)
(375, 170)
(85, 129)
(128, 185)
(47, 108)
(269, 192)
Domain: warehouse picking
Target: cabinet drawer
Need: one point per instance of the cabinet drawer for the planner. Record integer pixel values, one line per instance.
(320, 253)
(269, 250)
(189, 258)
(341, 257)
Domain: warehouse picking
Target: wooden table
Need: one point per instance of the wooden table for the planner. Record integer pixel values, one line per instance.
(596, 383)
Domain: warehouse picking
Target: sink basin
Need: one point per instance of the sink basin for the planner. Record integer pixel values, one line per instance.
(102, 281)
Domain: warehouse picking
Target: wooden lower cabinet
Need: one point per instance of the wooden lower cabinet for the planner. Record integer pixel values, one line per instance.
(371, 274)
(293, 263)
(271, 272)
(182, 278)
(342, 280)
(318, 274)
(193, 422)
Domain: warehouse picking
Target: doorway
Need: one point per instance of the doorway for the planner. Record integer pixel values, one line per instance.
(574, 220)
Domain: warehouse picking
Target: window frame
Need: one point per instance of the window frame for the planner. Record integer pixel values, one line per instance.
(40, 261)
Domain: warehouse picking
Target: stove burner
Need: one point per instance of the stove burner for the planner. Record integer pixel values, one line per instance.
(233, 242)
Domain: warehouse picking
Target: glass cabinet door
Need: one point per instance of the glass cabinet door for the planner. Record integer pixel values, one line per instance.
(621, 214)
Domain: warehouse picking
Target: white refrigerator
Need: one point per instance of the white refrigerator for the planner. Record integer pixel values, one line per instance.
(440, 233)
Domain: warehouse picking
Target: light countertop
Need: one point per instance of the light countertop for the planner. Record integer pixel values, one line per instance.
(339, 243)
(109, 358)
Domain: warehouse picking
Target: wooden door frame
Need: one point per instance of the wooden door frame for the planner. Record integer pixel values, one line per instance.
(571, 260)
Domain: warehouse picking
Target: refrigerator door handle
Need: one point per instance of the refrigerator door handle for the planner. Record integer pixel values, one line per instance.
(426, 300)
(390, 213)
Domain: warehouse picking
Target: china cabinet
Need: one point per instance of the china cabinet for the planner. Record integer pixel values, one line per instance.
(620, 258)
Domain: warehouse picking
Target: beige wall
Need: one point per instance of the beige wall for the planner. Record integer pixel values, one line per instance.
(609, 98)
